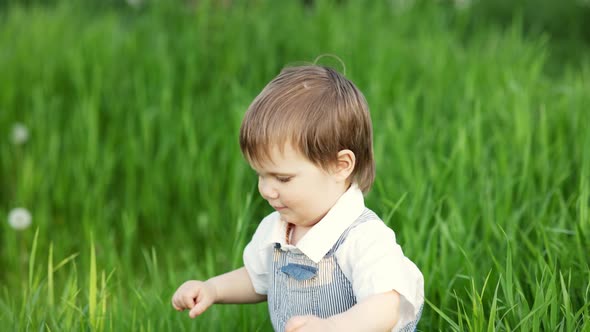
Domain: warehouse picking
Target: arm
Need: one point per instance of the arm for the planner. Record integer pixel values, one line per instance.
(235, 287)
(379, 312)
(231, 287)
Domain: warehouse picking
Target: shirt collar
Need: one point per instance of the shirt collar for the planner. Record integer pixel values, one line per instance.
(318, 241)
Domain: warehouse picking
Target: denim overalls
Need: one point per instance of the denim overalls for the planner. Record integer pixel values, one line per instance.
(299, 286)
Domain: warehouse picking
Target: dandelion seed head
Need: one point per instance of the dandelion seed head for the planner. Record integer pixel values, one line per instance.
(135, 3)
(403, 5)
(463, 4)
(19, 218)
(20, 134)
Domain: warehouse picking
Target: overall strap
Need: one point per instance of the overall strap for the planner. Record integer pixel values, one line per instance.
(365, 216)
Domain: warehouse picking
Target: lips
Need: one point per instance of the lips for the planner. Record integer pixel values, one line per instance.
(279, 208)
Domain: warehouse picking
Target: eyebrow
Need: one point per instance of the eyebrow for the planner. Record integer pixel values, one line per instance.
(274, 173)
(281, 174)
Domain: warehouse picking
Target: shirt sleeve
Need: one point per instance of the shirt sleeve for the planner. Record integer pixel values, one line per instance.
(257, 255)
(374, 263)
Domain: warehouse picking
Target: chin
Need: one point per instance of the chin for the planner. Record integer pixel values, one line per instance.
(290, 220)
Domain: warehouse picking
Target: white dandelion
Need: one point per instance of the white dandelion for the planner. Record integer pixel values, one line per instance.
(462, 4)
(135, 3)
(20, 133)
(19, 218)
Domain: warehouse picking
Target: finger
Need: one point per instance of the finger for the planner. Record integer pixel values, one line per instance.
(175, 303)
(188, 301)
(296, 323)
(175, 306)
(198, 309)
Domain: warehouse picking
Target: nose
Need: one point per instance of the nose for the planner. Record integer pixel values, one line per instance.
(266, 190)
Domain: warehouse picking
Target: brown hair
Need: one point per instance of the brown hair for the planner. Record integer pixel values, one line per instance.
(319, 112)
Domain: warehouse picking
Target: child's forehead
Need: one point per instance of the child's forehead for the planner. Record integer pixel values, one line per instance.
(277, 155)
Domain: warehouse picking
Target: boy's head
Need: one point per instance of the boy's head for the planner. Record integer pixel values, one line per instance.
(316, 110)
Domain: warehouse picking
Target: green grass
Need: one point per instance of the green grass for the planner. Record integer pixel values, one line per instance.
(135, 181)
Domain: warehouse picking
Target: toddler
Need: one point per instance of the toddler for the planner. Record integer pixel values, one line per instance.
(322, 260)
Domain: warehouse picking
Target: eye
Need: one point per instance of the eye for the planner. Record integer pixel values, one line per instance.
(284, 179)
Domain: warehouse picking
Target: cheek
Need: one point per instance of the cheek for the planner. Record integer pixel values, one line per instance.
(301, 195)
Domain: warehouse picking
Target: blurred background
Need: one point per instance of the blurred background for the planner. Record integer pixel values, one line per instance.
(121, 175)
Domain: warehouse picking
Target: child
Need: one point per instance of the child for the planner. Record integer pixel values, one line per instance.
(322, 260)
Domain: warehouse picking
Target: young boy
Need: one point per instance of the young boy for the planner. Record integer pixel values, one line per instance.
(322, 260)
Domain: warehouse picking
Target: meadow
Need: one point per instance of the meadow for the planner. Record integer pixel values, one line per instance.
(133, 176)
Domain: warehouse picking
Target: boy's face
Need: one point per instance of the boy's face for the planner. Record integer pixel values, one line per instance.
(298, 189)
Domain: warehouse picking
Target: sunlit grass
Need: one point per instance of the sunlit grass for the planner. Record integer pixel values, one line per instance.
(134, 179)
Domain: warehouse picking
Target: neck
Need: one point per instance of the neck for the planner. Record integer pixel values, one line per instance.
(295, 233)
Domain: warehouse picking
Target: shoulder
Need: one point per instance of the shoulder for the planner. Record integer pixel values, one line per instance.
(257, 253)
(374, 262)
(370, 254)
(370, 231)
(368, 239)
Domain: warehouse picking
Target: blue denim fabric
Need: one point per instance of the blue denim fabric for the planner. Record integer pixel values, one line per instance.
(299, 272)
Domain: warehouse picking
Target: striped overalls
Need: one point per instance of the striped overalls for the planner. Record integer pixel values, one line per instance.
(299, 286)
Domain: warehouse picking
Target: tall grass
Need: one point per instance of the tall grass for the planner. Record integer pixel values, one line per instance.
(135, 180)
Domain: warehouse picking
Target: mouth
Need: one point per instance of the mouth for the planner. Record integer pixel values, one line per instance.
(279, 208)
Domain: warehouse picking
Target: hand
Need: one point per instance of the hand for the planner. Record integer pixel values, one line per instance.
(309, 324)
(195, 296)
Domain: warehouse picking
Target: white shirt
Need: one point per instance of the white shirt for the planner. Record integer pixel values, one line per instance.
(370, 257)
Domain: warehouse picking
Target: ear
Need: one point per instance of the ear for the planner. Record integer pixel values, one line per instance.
(344, 164)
